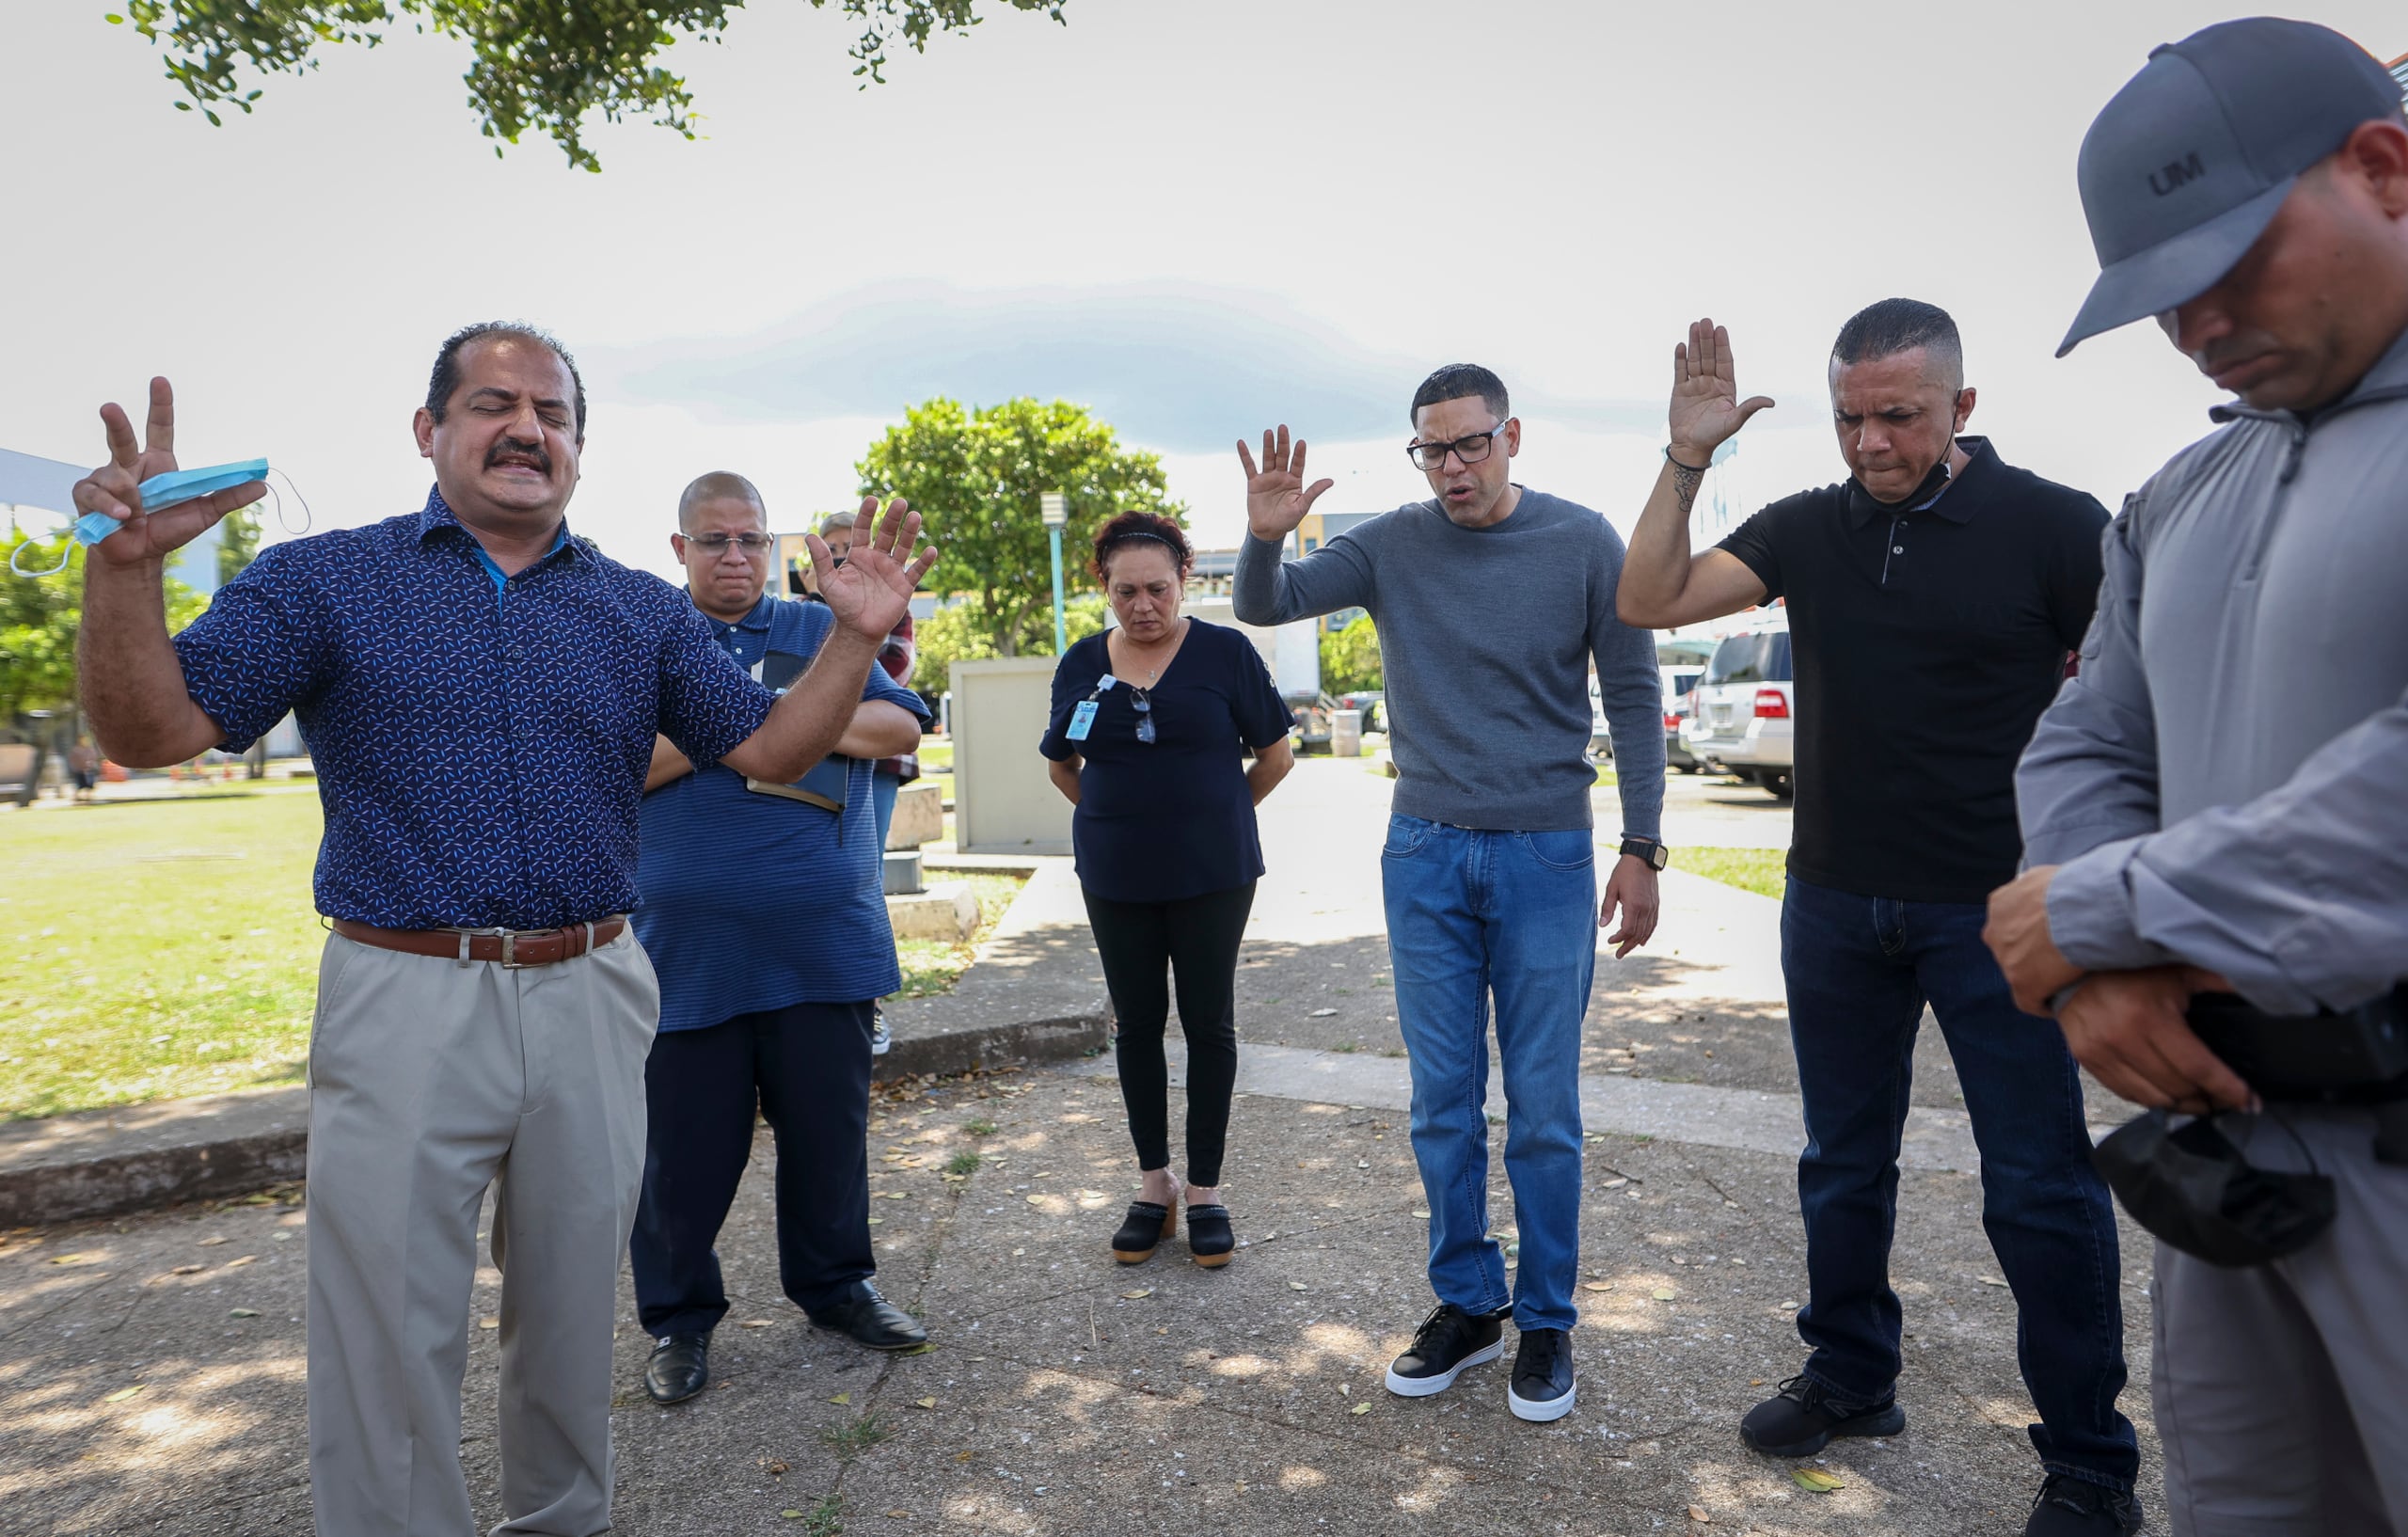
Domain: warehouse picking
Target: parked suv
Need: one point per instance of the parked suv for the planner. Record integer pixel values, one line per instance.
(1746, 705)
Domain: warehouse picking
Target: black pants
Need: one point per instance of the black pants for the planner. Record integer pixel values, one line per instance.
(807, 1067)
(1198, 938)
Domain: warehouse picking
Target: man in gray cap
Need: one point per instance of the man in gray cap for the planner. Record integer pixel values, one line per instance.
(2220, 799)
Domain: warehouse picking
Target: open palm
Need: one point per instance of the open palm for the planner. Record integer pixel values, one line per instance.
(1277, 497)
(872, 591)
(1705, 405)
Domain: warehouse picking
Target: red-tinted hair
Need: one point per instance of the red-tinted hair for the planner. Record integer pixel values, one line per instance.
(1140, 528)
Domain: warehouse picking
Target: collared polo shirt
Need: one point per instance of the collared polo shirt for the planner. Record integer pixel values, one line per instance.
(1927, 643)
(753, 902)
(480, 750)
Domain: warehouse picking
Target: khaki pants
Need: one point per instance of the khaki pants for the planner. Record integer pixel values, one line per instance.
(2282, 1390)
(428, 1081)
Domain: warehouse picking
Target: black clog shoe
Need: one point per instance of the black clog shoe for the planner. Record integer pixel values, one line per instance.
(1144, 1232)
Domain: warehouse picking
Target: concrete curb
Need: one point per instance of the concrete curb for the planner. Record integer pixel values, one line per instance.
(1034, 994)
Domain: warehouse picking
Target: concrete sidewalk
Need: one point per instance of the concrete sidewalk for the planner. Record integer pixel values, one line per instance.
(151, 1368)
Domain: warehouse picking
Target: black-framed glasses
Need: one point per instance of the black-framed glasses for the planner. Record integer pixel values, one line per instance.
(1471, 449)
(1143, 705)
(715, 544)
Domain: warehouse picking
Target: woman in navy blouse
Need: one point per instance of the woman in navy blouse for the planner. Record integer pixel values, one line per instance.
(1149, 727)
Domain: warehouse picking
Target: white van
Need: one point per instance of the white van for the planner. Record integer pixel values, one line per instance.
(1747, 706)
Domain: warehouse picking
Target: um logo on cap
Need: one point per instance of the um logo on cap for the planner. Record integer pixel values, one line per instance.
(2175, 173)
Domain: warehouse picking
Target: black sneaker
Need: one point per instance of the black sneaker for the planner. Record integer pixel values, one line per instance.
(1448, 1341)
(1804, 1419)
(2069, 1507)
(1544, 1383)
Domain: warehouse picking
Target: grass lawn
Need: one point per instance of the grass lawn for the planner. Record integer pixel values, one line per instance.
(156, 949)
(1763, 871)
(936, 755)
(931, 966)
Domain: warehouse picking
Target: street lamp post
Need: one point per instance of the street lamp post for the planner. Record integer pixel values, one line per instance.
(1055, 509)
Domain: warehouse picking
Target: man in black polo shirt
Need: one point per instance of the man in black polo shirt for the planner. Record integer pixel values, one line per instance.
(1934, 597)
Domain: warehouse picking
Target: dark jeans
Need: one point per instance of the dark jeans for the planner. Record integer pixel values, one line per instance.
(1859, 971)
(807, 1067)
(1196, 938)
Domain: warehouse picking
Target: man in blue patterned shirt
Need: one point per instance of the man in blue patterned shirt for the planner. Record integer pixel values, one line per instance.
(480, 692)
(768, 968)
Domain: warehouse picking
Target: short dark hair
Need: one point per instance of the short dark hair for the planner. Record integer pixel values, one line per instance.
(1140, 528)
(1454, 382)
(1897, 325)
(445, 381)
(718, 485)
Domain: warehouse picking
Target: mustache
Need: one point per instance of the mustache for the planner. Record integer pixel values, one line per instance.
(512, 450)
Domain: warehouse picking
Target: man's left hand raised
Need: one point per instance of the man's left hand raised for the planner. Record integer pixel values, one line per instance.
(1631, 888)
(871, 592)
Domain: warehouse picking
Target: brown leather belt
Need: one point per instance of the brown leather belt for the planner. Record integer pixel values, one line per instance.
(515, 948)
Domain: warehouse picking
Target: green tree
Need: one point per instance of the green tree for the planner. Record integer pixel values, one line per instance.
(238, 542)
(38, 621)
(1350, 658)
(538, 64)
(977, 474)
(951, 635)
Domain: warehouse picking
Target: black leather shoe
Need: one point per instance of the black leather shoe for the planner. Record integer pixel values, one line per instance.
(1142, 1232)
(1448, 1341)
(2069, 1506)
(1805, 1417)
(1543, 1386)
(868, 1318)
(1210, 1242)
(679, 1368)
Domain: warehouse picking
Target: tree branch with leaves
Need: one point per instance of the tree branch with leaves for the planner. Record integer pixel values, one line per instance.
(538, 64)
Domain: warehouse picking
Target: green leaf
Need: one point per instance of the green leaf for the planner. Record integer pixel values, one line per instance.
(1815, 1480)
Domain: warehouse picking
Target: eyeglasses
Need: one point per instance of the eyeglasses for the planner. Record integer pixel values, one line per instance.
(1471, 449)
(715, 544)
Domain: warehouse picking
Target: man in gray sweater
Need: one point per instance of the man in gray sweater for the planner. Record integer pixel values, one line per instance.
(1491, 602)
(2221, 797)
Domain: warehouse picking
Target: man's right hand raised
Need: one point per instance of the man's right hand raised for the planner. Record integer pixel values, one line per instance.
(1277, 497)
(1705, 405)
(115, 489)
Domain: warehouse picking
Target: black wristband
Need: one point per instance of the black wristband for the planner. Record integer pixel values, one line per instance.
(1694, 469)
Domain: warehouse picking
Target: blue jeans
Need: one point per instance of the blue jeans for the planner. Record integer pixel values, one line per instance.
(1859, 971)
(1513, 913)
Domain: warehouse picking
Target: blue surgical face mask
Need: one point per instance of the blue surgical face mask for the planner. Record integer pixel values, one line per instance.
(159, 493)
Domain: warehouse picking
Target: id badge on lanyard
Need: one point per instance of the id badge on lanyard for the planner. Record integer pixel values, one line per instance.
(1083, 719)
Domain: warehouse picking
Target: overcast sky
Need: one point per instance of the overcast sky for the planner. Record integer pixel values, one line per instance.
(1199, 219)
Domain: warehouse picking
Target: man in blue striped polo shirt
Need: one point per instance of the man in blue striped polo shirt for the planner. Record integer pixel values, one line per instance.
(763, 911)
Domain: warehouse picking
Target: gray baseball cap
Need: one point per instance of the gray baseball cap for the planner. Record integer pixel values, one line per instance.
(2185, 169)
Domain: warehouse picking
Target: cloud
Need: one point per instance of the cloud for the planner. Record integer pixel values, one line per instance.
(1179, 366)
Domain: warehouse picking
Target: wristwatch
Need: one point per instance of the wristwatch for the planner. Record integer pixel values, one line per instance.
(1654, 853)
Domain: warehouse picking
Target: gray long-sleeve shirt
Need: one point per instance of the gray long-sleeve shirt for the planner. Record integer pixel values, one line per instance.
(2225, 783)
(1485, 640)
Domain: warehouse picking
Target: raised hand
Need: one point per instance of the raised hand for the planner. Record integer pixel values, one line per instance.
(1277, 497)
(872, 591)
(115, 489)
(1705, 405)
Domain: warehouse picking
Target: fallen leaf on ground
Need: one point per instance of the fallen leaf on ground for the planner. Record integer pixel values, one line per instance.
(1615, 1184)
(1140, 1292)
(1697, 1514)
(1421, 1212)
(1295, 1285)
(213, 1241)
(1663, 1293)
(841, 1398)
(243, 1312)
(1990, 1280)
(187, 1270)
(244, 1261)
(755, 1323)
(921, 1349)
(963, 1456)
(1323, 1013)
(122, 1394)
(488, 1323)
(1598, 1286)
(1361, 1409)
(1815, 1480)
(875, 1221)
(77, 1259)
(773, 1468)
(791, 1515)
(1036, 1201)
(925, 1403)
